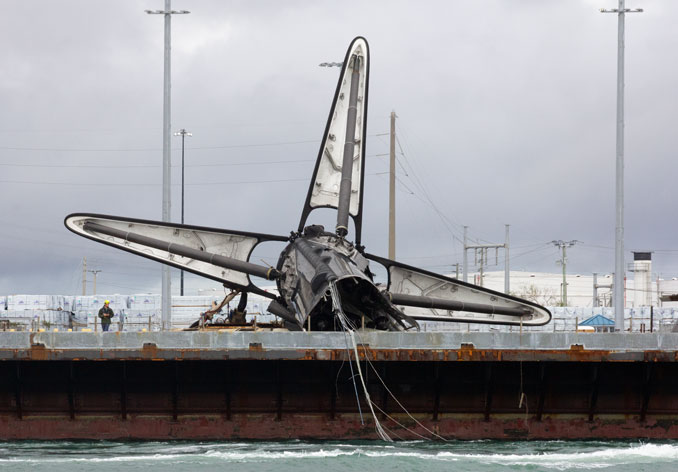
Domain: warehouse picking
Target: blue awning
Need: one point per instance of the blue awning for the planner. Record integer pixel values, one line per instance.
(598, 320)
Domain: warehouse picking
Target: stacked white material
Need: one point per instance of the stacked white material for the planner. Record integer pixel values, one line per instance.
(16, 302)
(142, 308)
(69, 303)
(187, 309)
(35, 302)
(35, 311)
(37, 319)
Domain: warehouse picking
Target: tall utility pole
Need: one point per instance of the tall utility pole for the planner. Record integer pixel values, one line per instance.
(183, 133)
(465, 260)
(456, 270)
(84, 276)
(166, 157)
(94, 284)
(563, 245)
(619, 210)
(391, 193)
(507, 271)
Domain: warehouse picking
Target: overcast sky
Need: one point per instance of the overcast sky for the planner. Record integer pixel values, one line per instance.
(506, 115)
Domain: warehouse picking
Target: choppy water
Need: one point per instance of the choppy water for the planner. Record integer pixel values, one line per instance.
(73, 456)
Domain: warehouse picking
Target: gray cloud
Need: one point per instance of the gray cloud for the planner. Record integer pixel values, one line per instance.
(506, 115)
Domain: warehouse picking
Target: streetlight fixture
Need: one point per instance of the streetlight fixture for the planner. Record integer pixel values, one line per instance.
(618, 283)
(183, 133)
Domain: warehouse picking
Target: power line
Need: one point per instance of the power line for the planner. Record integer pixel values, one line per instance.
(154, 166)
(230, 146)
(153, 149)
(417, 182)
(146, 184)
(129, 184)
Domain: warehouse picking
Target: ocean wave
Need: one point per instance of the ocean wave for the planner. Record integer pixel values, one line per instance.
(129, 458)
(598, 459)
(604, 457)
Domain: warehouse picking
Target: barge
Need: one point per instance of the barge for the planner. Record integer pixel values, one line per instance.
(277, 385)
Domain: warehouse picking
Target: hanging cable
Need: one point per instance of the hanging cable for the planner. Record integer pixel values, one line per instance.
(350, 329)
(336, 304)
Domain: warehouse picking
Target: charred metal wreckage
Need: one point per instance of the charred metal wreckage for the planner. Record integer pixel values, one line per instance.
(324, 280)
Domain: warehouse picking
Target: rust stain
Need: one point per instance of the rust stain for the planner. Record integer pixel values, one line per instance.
(39, 352)
(466, 353)
(149, 351)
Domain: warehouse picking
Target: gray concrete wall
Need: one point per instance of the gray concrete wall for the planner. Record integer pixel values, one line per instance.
(299, 340)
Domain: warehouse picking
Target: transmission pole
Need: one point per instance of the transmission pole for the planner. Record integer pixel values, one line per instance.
(619, 208)
(94, 284)
(84, 276)
(465, 254)
(391, 193)
(456, 270)
(166, 157)
(507, 269)
(563, 245)
(482, 249)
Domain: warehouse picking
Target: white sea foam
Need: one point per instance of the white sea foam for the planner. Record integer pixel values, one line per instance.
(605, 457)
(608, 457)
(130, 458)
(299, 454)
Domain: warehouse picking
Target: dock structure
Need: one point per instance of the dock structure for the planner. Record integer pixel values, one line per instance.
(266, 385)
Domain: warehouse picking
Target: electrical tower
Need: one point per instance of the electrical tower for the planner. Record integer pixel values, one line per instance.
(480, 257)
(563, 245)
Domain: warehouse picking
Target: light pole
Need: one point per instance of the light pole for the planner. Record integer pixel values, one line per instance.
(618, 284)
(183, 133)
(563, 245)
(166, 157)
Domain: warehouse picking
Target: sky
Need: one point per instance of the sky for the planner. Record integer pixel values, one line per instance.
(506, 115)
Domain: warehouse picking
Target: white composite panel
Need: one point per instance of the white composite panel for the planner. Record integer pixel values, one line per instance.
(411, 282)
(221, 243)
(328, 178)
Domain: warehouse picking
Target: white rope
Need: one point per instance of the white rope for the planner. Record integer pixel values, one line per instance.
(344, 322)
(350, 329)
(380, 431)
(400, 424)
(419, 423)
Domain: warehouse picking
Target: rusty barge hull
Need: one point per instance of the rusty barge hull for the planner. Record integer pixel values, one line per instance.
(277, 385)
